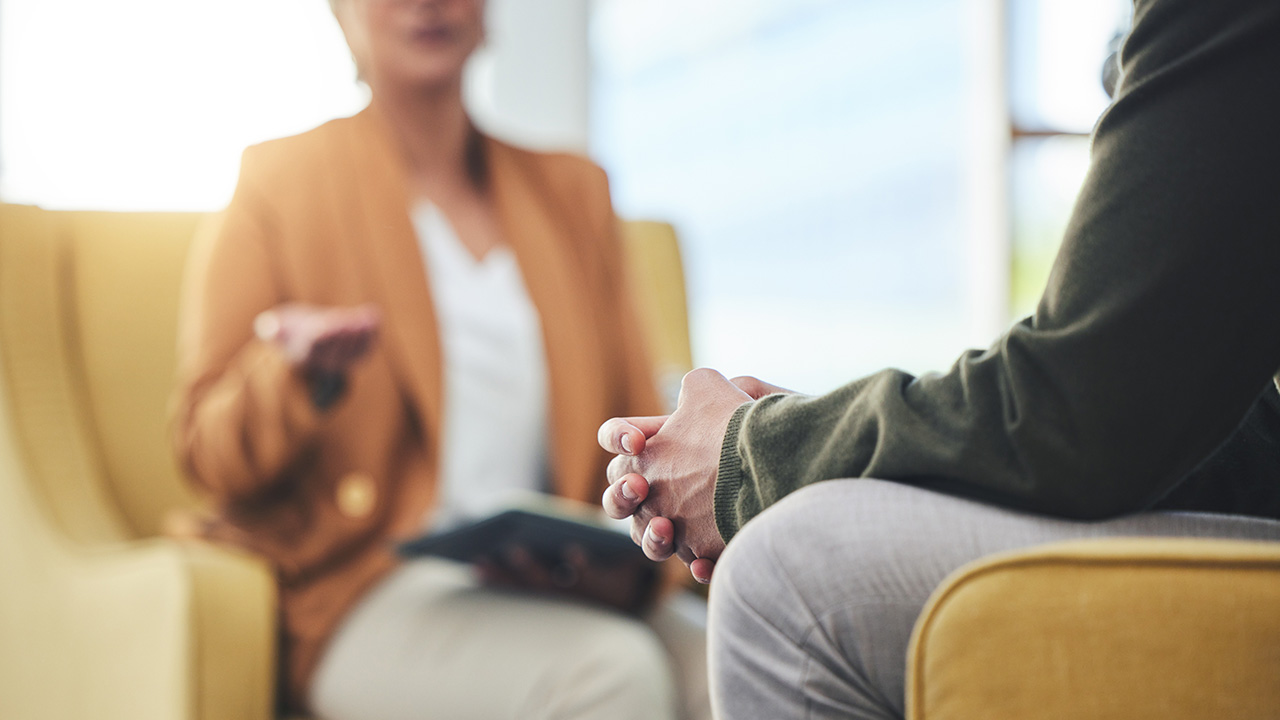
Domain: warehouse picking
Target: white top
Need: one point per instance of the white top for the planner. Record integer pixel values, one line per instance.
(494, 374)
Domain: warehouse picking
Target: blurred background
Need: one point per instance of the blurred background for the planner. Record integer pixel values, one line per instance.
(857, 183)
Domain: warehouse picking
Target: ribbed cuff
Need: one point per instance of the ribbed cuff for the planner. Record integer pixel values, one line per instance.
(729, 476)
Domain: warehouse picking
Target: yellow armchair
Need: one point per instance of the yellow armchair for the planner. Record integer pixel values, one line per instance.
(1123, 629)
(100, 615)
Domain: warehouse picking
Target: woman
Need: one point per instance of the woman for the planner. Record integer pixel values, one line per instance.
(337, 396)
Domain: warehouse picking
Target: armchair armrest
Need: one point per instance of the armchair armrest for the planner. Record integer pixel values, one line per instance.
(1121, 628)
(151, 629)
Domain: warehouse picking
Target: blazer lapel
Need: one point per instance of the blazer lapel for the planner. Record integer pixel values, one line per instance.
(392, 268)
(552, 275)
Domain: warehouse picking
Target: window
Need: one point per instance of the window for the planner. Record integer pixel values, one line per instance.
(1057, 49)
(820, 160)
(813, 156)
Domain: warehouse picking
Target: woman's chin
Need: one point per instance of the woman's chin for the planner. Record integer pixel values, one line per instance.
(422, 78)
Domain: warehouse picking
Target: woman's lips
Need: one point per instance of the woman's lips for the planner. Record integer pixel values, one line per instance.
(434, 34)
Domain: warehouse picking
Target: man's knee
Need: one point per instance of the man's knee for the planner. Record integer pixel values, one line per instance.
(762, 570)
(817, 595)
(863, 531)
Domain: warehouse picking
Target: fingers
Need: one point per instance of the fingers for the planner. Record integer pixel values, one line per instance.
(525, 567)
(333, 353)
(341, 338)
(701, 569)
(618, 467)
(658, 540)
(574, 566)
(511, 567)
(267, 326)
(623, 498)
(757, 388)
(322, 339)
(367, 316)
(627, 436)
(577, 557)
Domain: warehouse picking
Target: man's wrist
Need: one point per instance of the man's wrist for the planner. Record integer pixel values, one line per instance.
(729, 476)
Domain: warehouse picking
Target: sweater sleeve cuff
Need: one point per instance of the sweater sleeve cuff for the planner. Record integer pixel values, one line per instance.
(729, 477)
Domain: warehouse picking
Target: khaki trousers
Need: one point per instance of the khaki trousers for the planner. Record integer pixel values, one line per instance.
(429, 642)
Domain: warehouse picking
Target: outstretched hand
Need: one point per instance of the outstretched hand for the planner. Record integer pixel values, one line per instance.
(663, 476)
(319, 341)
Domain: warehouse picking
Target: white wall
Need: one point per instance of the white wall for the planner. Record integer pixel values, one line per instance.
(531, 82)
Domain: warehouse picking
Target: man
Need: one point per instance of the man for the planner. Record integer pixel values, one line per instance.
(1141, 385)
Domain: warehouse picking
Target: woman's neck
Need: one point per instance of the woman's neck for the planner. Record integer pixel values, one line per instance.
(434, 133)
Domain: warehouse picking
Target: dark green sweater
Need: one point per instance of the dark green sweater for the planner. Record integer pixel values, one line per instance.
(1158, 333)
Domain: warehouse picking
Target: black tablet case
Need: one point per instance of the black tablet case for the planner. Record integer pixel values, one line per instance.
(544, 535)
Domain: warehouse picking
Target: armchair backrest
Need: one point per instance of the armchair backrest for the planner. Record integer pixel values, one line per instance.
(88, 306)
(657, 281)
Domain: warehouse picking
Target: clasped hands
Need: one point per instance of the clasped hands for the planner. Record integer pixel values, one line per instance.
(663, 475)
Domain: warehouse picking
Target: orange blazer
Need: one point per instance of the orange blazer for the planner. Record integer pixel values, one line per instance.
(323, 218)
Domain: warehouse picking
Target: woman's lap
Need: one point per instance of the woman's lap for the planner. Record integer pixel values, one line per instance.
(430, 642)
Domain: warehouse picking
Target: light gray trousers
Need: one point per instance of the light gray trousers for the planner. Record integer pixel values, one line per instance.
(813, 602)
(430, 642)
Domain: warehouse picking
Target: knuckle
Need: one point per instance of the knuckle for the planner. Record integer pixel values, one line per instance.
(653, 553)
(610, 503)
(606, 433)
(698, 376)
(618, 467)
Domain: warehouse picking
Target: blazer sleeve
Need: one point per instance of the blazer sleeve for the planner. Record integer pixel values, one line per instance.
(243, 416)
(1156, 335)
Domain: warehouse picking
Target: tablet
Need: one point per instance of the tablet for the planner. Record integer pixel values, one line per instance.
(546, 535)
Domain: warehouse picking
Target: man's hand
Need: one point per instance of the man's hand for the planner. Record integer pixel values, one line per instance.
(665, 471)
(319, 341)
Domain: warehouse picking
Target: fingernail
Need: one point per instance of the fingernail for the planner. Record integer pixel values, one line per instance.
(628, 493)
(626, 443)
(653, 538)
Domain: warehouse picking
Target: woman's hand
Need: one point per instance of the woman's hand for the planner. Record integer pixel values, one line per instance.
(320, 341)
(626, 585)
